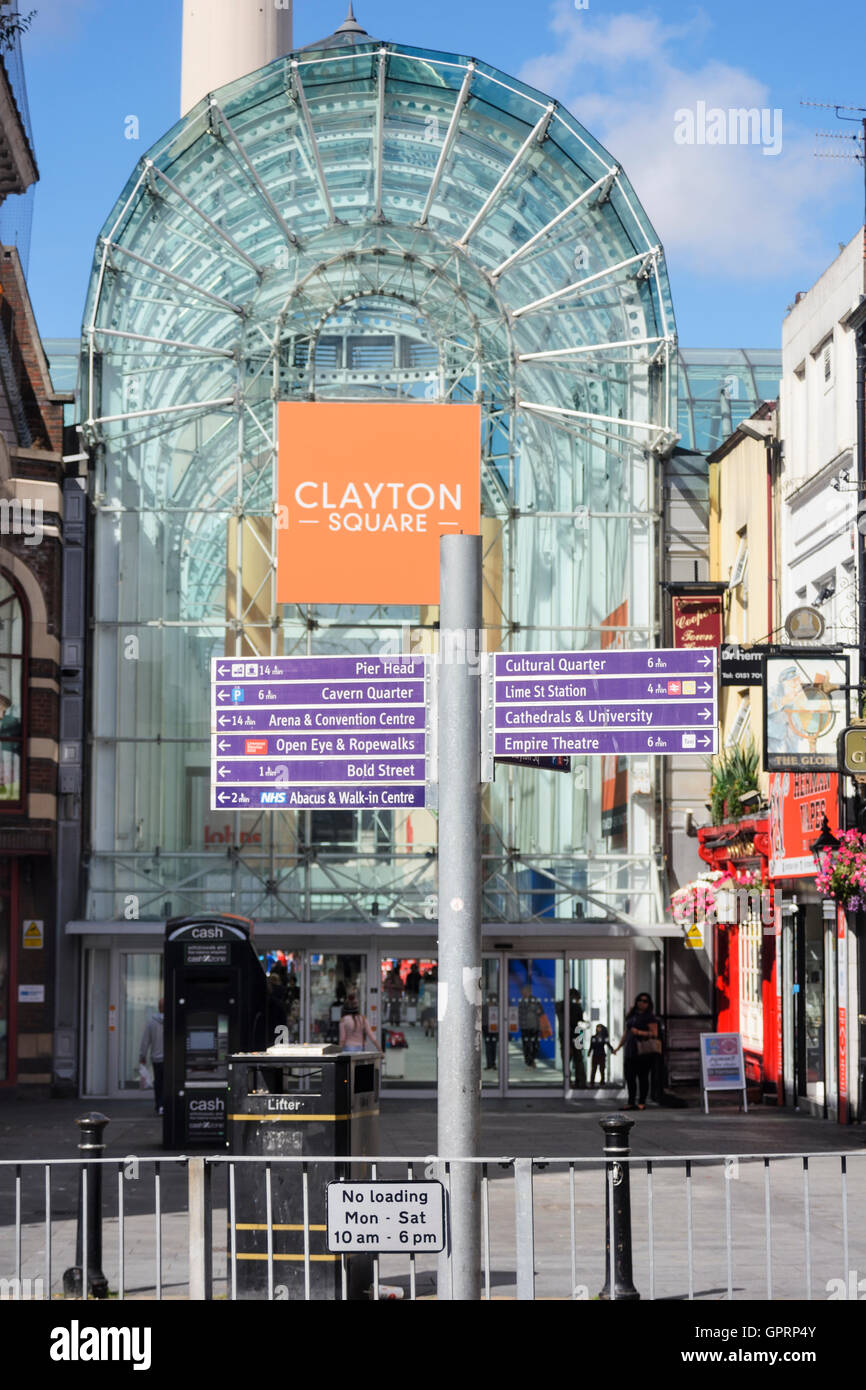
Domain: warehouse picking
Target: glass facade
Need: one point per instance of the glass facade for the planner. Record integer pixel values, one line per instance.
(365, 224)
(717, 389)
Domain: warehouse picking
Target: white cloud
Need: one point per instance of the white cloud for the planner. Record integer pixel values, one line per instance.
(719, 209)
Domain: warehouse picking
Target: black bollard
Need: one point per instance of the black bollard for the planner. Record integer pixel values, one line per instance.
(90, 1145)
(617, 1184)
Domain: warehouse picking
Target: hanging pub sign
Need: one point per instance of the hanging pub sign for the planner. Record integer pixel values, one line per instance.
(799, 801)
(805, 709)
(697, 620)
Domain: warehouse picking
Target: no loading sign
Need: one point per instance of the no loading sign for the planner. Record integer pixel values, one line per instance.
(386, 1217)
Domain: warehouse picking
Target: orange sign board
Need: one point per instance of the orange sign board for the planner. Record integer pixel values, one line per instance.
(364, 493)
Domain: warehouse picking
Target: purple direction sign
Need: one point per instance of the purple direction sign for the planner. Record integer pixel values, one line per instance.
(601, 741)
(288, 730)
(239, 719)
(666, 661)
(682, 714)
(309, 745)
(332, 668)
(550, 704)
(343, 771)
(306, 798)
(637, 690)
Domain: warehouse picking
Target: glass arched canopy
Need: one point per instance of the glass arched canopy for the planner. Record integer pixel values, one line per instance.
(365, 223)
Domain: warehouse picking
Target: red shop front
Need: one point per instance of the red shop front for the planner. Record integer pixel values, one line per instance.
(744, 946)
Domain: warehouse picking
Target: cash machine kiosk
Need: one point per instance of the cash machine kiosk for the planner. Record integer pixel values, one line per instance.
(215, 993)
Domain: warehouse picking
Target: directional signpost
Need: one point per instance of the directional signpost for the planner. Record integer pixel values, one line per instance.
(305, 732)
(548, 704)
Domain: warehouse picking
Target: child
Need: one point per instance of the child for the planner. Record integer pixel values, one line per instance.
(599, 1046)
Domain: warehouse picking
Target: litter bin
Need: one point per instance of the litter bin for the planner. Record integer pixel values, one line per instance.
(303, 1100)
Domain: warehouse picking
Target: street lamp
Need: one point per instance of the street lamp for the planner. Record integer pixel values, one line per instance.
(826, 840)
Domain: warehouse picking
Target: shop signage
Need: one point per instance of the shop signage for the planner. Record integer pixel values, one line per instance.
(805, 625)
(365, 491)
(604, 702)
(805, 708)
(318, 731)
(852, 750)
(386, 1217)
(799, 801)
(722, 1066)
(31, 994)
(697, 620)
(741, 665)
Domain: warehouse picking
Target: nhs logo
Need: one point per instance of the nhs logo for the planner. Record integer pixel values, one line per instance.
(273, 799)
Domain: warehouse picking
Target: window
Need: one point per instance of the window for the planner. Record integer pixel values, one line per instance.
(751, 1003)
(740, 724)
(828, 362)
(11, 693)
(738, 572)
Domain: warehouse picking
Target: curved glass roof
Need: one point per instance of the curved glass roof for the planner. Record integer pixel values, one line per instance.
(357, 223)
(718, 388)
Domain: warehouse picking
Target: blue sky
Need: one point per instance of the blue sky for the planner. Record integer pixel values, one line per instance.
(743, 230)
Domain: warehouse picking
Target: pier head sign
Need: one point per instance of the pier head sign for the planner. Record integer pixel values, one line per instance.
(365, 491)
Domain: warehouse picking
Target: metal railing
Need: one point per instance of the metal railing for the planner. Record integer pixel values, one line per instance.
(730, 1226)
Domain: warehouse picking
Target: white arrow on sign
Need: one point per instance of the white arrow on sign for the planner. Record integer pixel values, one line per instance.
(224, 772)
(706, 742)
(706, 661)
(706, 687)
(223, 720)
(224, 796)
(223, 745)
(706, 714)
(222, 670)
(222, 695)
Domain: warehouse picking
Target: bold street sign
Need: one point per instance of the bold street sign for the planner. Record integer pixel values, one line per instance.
(741, 665)
(697, 620)
(365, 491)
(318, 732)
(805, 708)
(386, 1217)
(852, 751)
(547, 704)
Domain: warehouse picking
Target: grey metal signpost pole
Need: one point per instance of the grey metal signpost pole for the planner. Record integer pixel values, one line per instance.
(459, 998)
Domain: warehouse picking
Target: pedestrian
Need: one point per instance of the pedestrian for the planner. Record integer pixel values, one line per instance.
(599, 1046)
(490, 1029)
(642, 1044)
(354, 1028)
(393, 989)
(529, 1014)
(152, 1038)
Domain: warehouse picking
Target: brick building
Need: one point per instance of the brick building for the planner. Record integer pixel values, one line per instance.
(31, 585)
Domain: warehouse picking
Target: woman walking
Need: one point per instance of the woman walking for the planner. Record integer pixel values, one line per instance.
(354, 1028)
(642, 1045)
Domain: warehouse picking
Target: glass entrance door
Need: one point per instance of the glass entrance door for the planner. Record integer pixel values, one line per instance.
(596, 998)
(535, 1021)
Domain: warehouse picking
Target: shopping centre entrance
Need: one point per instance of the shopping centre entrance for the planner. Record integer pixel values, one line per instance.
(536, 996)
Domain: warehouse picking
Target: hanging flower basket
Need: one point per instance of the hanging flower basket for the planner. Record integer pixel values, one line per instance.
(843, 871)
(708, 898)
